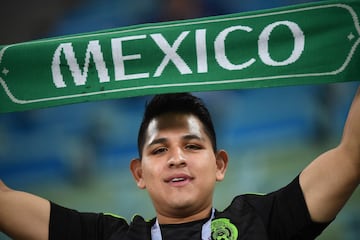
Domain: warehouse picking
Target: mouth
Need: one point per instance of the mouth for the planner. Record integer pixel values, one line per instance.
(178, 180)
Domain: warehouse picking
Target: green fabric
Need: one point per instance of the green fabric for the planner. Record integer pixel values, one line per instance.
(301, 44)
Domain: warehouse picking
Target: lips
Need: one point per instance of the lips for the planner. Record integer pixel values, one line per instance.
(178, 179)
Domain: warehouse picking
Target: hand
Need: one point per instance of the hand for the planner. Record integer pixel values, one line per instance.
(3, 187)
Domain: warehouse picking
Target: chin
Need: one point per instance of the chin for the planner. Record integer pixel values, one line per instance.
(181, 203)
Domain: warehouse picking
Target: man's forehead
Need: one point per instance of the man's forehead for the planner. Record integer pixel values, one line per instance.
(174, 121)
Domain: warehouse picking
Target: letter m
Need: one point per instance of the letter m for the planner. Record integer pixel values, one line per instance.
(79, 76)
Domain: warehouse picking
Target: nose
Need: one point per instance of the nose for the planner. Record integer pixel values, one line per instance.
(177, 159)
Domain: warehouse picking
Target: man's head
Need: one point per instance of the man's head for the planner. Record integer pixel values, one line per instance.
(179, 164)
(176, 103)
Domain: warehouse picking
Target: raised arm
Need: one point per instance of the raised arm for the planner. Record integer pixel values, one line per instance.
(23, 215)
(329, 181)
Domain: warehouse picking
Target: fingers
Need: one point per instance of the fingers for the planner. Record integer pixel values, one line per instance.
(3, 187)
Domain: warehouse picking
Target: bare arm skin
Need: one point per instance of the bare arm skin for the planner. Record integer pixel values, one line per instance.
(329, 181)
(23, 215)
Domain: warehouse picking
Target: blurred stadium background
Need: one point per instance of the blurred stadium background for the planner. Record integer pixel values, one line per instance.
(78, 155)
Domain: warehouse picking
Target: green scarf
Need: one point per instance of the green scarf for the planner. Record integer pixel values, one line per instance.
(301, 44)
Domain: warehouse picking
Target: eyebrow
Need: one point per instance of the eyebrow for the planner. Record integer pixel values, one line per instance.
(185, 137)
(158, 141)
(192, 136)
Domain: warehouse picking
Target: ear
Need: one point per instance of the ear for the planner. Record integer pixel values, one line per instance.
(221, 164)
(136, 170)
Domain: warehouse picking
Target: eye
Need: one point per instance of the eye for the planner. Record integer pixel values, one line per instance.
(193, 147)
(159, 150)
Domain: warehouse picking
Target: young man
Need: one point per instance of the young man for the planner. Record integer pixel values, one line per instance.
(179, 165)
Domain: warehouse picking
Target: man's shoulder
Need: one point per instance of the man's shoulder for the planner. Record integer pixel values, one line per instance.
(249, 203)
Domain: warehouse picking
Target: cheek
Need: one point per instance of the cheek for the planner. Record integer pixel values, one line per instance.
(206, 162)
(151, 171)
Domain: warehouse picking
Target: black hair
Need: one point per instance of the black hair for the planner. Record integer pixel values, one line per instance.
(176, 103)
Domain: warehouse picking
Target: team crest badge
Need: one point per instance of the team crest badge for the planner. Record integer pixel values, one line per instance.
(223, 229)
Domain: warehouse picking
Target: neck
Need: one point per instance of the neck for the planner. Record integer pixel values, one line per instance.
(182, 218)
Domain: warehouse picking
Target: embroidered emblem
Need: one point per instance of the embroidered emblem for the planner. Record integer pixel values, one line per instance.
(223, 229)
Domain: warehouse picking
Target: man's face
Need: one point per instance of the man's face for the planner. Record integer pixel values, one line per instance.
(179, 168)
